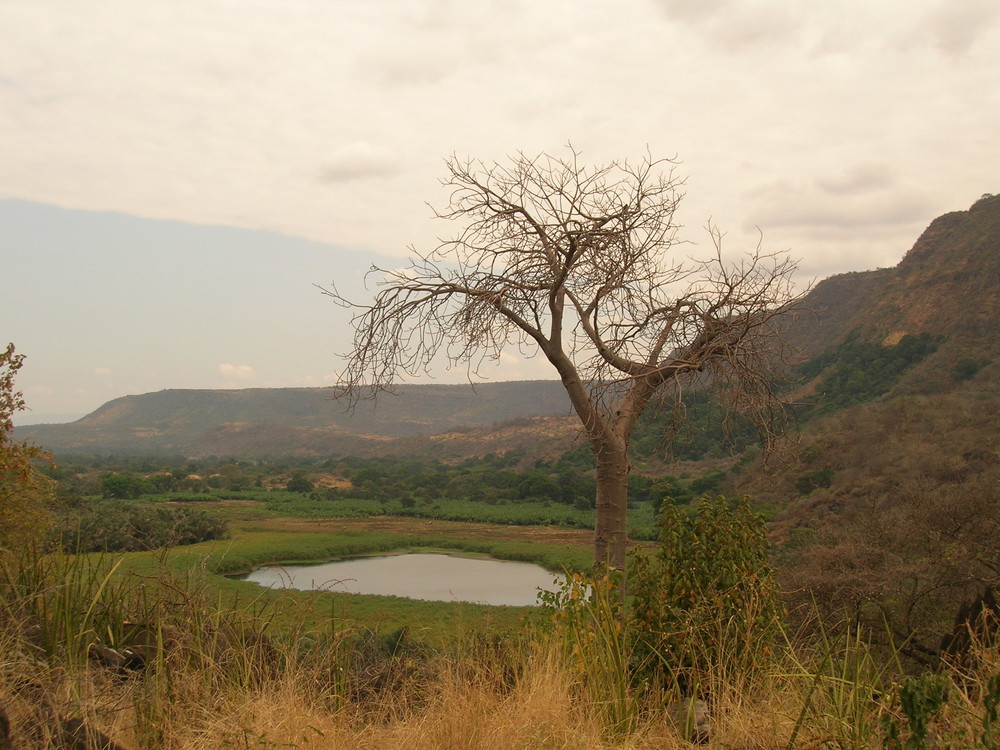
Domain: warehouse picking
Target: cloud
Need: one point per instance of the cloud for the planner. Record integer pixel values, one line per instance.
(357, 161)
(692, 10)
(733, 26)
(410, 68)
(102, 371)
(861, 178)
(864, 196)
(236, 372)
(954, 27)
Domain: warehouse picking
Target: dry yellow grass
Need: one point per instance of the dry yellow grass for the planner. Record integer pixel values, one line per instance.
(452, 705)
(211, 680)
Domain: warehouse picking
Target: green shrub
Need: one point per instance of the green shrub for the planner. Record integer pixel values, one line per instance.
(812, 480)
(920, 698)
(299, 483)
(966, 368)
(706, 599)
(114, 526)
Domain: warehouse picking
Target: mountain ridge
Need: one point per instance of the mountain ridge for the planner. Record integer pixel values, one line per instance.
(946, 287)
(306, 421)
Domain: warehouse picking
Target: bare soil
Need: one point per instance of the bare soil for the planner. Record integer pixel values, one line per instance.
(422, 527)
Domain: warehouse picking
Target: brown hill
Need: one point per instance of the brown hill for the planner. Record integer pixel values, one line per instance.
(272, 422)
(891, 507)
(947, 288)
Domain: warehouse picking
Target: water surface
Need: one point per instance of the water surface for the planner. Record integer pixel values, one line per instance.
(432, 577)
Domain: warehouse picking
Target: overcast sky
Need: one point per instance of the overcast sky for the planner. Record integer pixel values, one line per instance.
(840, 129)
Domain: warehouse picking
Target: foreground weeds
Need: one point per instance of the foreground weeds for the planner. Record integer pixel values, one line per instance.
(157, 661)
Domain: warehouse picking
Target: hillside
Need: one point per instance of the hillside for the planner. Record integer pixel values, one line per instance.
(884, 509)
(927, 327)
(271, 422)
(890, 502)
(942, 305)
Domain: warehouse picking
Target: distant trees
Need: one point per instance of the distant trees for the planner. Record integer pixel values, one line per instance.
(857, 370)
(479, 480)
(299, 483)
(580, 265)
(122, 486)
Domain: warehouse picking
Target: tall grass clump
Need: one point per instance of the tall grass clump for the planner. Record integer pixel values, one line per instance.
(85, 642)
(588, 624)
(841, 683)
(160, 661)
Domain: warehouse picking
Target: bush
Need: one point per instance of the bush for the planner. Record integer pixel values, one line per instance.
(966, 368)
(126, 527)
(812, 480)
(707, 598)
(299, 483)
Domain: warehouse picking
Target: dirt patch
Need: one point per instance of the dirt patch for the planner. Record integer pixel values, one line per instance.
(422, 527)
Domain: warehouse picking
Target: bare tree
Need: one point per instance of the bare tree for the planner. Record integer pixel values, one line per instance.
(579, 263)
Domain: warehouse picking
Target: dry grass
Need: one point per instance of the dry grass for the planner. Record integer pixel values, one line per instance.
(451, 707)
(211, 681)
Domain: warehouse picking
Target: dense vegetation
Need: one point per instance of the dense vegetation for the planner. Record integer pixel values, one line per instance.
(112, 526)
(856, 370)
(102, 514)
(700, 630)
(697, 653)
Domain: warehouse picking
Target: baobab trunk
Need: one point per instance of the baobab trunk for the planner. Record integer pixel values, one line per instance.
(611, 522)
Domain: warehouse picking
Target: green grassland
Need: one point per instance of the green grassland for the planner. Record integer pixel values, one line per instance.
(261, 536)
(526, 513)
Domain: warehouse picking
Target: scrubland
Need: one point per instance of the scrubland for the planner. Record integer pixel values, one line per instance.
(161, 657)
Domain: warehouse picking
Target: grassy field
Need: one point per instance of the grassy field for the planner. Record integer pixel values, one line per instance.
(642, 517)
(228, 664)
(260, 537)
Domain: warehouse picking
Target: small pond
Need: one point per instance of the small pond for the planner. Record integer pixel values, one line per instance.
(432, 577)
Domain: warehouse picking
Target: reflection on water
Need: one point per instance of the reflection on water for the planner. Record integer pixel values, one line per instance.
(418, 576)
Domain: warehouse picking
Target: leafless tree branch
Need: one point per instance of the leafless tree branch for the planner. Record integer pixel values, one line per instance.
(582, 265)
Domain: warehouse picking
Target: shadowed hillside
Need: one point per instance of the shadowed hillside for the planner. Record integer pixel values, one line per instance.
(947, 288)
(890, 497)
(293, 421)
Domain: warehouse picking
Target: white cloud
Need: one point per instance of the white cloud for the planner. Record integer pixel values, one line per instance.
(734, 26)
(955, 26)
(102, 371)
(859, 197)
(357, 161)
(236, 372)
(860, 178)
(693, 10)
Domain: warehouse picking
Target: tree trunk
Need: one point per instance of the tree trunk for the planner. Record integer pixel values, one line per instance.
(611, 524)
